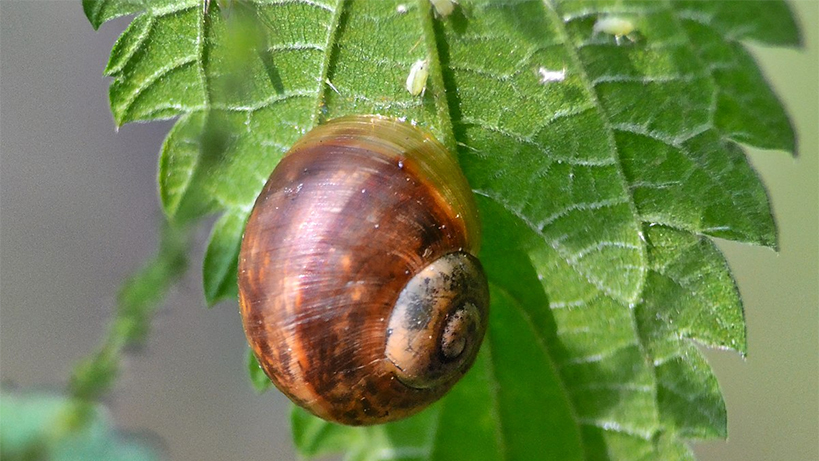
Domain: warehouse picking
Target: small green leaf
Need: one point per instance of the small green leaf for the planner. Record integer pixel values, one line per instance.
(31, 429)
(316, 437)
(408, 439)
(219, 270)
(178, 160)
(100, 11)
(258, 379)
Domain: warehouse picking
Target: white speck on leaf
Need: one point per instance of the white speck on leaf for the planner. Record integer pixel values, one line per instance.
(549, 76)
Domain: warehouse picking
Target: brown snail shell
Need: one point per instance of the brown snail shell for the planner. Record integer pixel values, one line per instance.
(359, 289)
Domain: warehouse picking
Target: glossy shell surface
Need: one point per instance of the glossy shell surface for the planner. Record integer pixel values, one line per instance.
(359, 290)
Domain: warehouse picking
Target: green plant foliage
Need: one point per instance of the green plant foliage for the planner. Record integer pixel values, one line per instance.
(31, 430)
(76, 427)
(603, 165)
(139, 297)
(258, 379)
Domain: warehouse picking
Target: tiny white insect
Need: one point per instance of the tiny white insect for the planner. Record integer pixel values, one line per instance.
(417, 78)
(548, 76)
(444, 7)
(401, 9)
(613, 25)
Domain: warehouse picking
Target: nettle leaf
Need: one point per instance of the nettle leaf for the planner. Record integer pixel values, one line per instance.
(603, 155)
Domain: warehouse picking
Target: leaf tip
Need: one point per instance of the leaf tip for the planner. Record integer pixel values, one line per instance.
(90, 14)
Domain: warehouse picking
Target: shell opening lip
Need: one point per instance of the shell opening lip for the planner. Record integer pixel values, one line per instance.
(438, 322)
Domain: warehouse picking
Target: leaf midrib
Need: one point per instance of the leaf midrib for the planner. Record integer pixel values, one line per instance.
(330, 53)
(618, 163)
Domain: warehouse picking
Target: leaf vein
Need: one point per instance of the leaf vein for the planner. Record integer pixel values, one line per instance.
(153, 79)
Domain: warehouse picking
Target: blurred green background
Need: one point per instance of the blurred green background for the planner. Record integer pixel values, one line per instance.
(79, 212)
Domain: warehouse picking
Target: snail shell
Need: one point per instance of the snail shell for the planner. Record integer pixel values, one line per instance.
(359, 289)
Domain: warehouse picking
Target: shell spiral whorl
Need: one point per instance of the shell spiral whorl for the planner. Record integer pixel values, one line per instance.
(359, 289)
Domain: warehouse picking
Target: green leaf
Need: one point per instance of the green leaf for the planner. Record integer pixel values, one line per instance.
(31, 429)
(689, 295)
(179, 158)
(100, 11)
(220, 264)
(408, 439)
(755, 117)
(258, 379)
(770, 23)
(719, 194)
(603, 165)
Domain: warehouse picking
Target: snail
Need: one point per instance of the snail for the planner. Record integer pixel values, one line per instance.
(359, 288)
